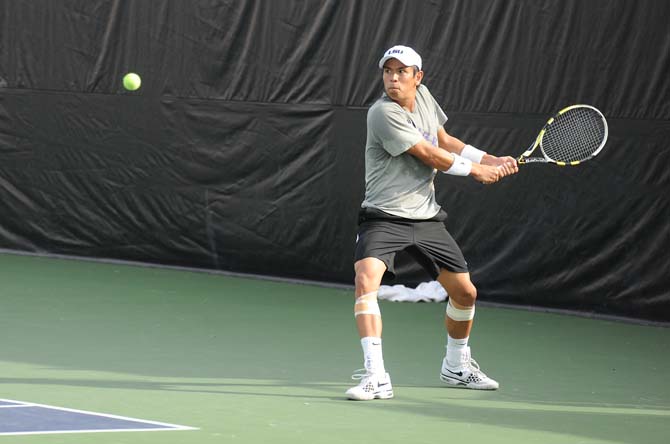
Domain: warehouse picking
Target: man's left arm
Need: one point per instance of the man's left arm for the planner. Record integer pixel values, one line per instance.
(454, 145)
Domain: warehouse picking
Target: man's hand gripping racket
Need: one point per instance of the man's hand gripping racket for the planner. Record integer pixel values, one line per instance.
(574, 135)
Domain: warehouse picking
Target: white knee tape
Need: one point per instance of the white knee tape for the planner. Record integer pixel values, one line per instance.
(460, 314)
(367, 304)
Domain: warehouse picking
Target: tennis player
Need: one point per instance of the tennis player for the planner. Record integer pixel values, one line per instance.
(406, 146)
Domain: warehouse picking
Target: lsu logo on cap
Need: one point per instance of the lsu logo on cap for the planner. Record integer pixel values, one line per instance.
(405, 54)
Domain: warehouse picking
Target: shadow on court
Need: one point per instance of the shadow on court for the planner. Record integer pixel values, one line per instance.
(599, 421)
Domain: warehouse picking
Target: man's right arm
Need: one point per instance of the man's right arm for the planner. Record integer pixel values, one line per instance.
(506, 164)
(442, 160)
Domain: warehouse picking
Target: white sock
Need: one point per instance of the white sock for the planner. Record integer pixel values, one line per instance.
(372, 354)
(457, 350)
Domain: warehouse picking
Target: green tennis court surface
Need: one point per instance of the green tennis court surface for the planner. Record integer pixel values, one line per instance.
(255, 361)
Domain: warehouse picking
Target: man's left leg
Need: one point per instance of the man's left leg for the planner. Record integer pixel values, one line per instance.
(458, 367)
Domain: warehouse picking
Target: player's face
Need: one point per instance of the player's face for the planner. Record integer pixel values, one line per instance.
(400, 81)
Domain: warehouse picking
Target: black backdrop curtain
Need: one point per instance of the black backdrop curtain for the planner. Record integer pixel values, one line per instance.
(243, 150)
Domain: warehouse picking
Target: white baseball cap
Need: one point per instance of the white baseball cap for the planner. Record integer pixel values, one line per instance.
(406, 55)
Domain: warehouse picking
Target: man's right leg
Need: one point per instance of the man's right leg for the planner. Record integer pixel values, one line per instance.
(375, 382)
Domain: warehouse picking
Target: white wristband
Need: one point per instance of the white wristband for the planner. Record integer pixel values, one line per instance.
(460, 167)
(472, 153)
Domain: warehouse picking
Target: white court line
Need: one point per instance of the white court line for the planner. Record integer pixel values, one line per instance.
(104, 415)
(55, 432)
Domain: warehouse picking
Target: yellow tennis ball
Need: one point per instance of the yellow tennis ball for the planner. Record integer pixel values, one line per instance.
(132, 81)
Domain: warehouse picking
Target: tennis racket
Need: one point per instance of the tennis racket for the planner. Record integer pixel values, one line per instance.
(574, 135)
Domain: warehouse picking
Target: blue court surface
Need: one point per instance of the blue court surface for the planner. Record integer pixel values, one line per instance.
(25, 418)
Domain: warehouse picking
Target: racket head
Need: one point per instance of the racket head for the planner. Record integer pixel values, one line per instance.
(574, 135)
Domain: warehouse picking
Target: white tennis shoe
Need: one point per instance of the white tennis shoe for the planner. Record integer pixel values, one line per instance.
(467, 375)
(372, 386)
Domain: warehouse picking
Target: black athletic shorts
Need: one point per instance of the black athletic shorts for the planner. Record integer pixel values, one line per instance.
(382, 235)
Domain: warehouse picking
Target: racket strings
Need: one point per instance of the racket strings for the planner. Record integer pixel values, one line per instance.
(574, 135)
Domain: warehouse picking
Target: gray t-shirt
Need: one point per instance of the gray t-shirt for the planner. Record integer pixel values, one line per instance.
(397, 182)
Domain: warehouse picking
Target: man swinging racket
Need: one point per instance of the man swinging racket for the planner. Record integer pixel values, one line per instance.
(406, 146)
